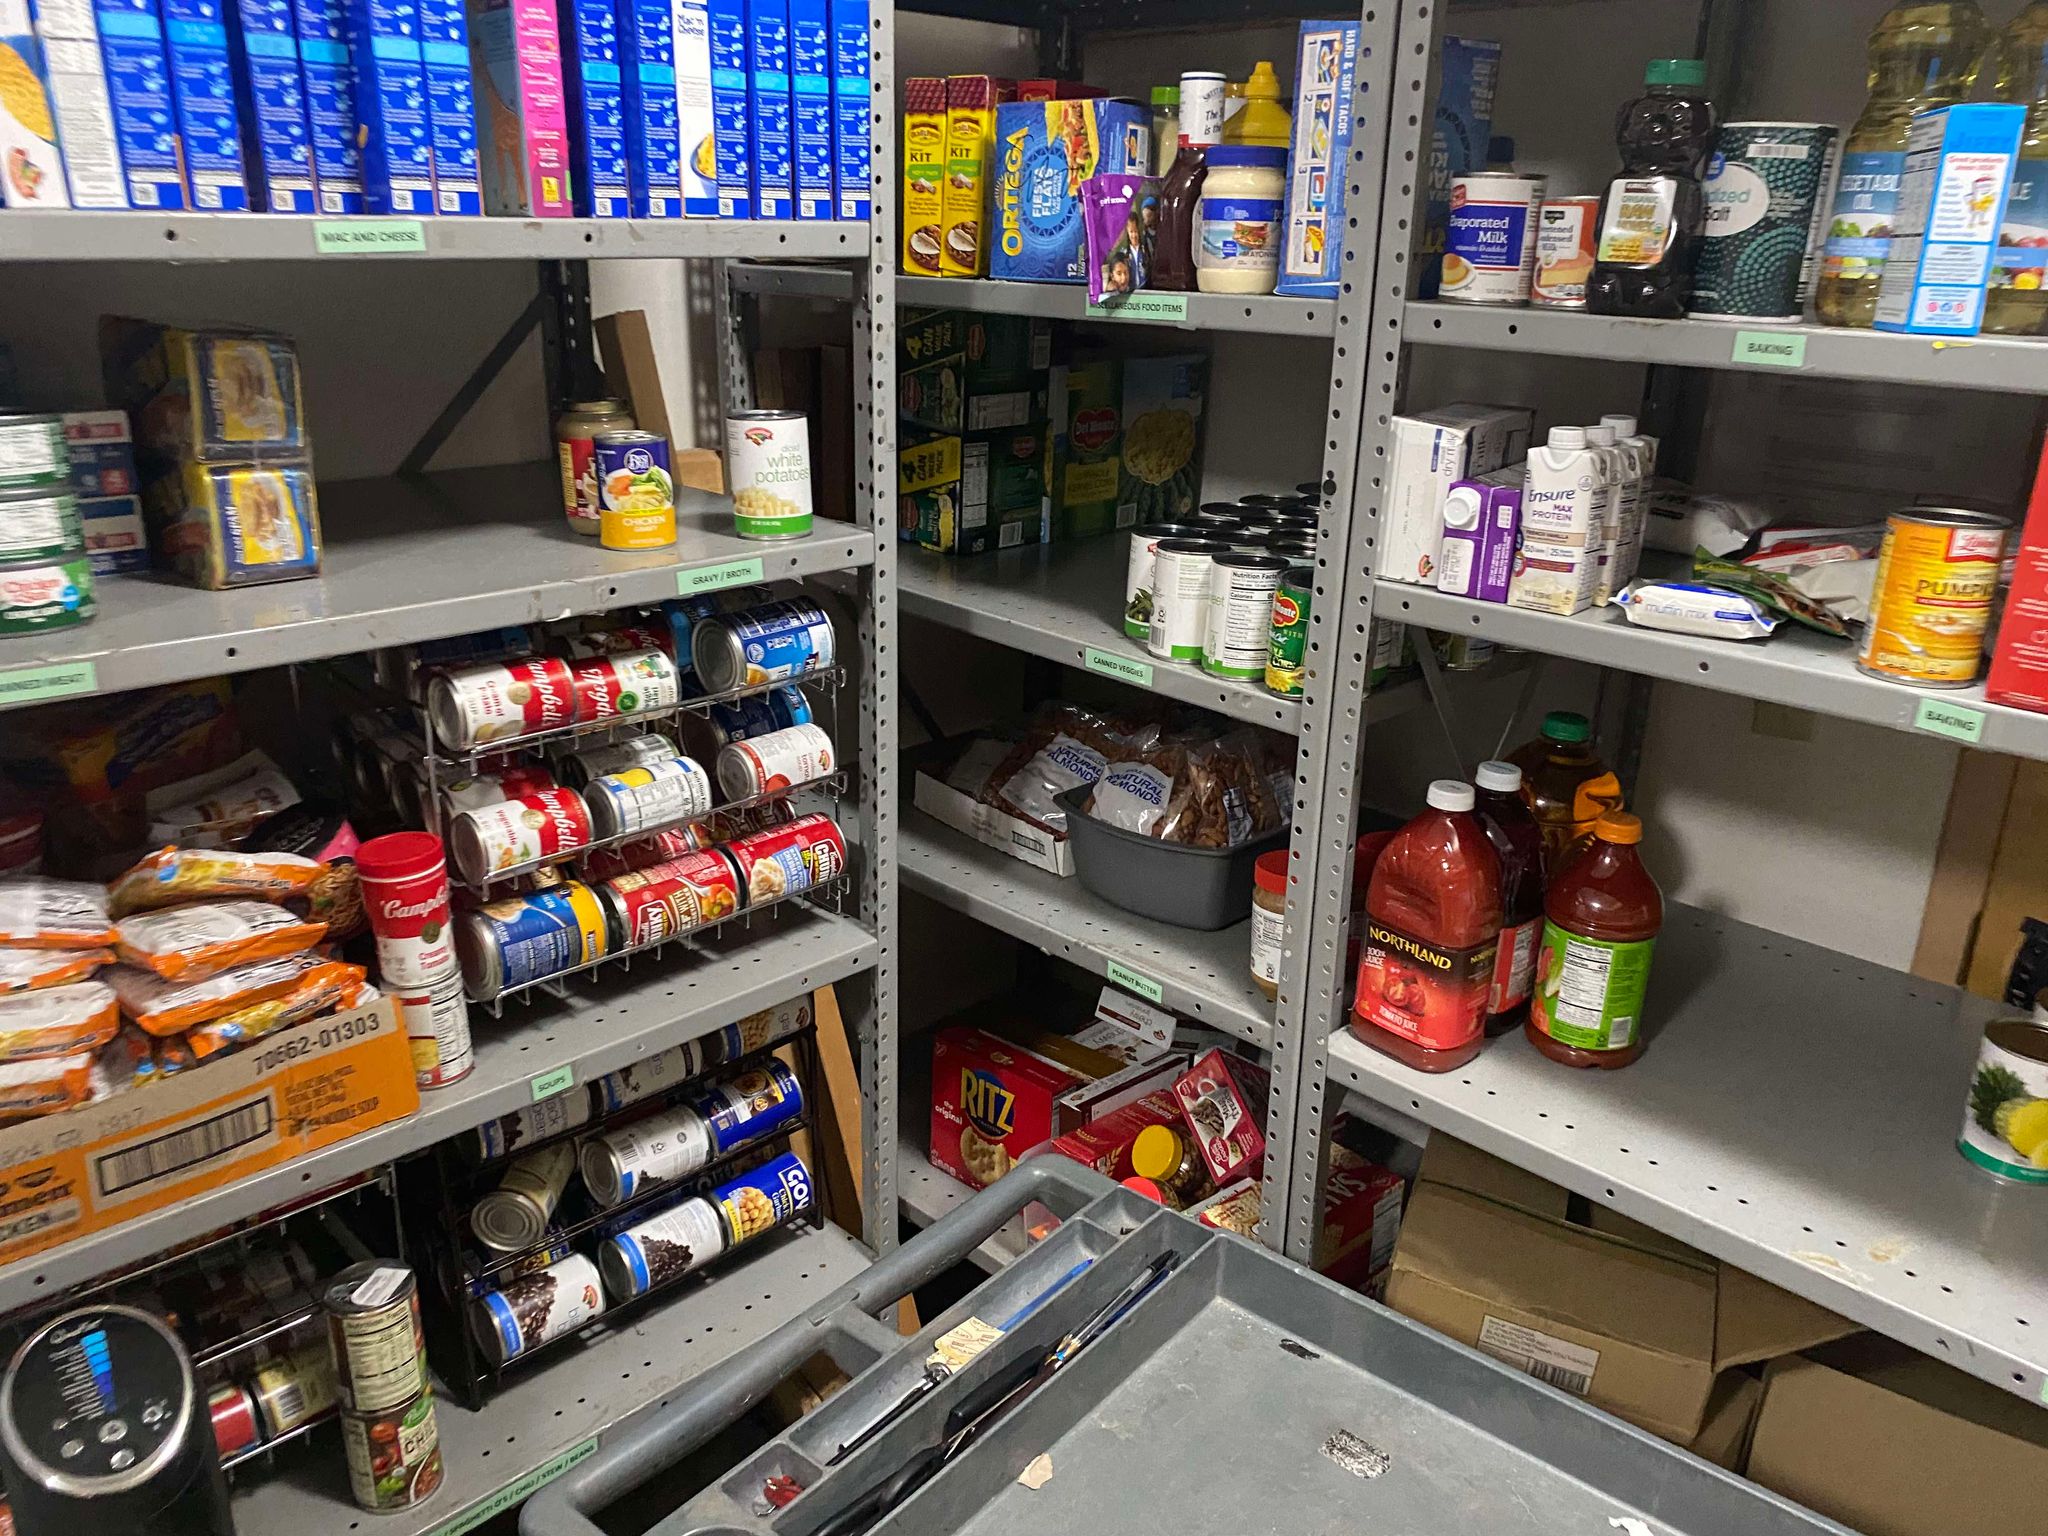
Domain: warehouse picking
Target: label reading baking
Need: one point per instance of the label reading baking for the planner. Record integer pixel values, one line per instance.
(1958, 722)
(516, 1492)
(37, 685)
(548, 1084)
(1131, 981)
(710, 578)
(1122, 668)
(1770, 349)
(1145, 308)
(368, 237)
(1547, 1358)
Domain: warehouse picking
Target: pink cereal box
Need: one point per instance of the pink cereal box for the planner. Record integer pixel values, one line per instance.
(523, 139)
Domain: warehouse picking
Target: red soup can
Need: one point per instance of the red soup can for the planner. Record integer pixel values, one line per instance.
(663, 900)
(515, 833)
(618, 640)
(808, 852)
(644, 853)
(233, 1412)
(502, 701)
(404, 877)
(629, 683)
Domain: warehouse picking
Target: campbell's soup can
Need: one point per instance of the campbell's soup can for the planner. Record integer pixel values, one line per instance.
(576, 431)
(785, 860)
(513, 834)
(646, 852)
(616, 640)
(578, 768)
(780, 760)
(648, 906)
(632, 683)
(1566, 231)
(636, 491)
(1490, 244)
(435, 1016)
(502, 701)
(404, 879)
(1936, 575)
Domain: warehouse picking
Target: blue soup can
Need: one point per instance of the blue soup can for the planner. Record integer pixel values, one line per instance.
(768, 644)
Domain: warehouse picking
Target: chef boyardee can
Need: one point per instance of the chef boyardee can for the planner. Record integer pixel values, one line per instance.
(39, 525)
(768, 466)
(394, 1456)
(618, 1164)
(32, 452)
(373, 1326)
(647, 796)
(662, 1248)
(505, 944)
(1287, 647)
(2005, 1125)
(763, 1199)
(1764, 200)
(763, 645)
(531, 1310)
(45, 594)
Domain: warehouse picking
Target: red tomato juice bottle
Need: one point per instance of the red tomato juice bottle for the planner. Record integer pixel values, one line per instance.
(1600, 922)
(1511, 827)
(1432, 927)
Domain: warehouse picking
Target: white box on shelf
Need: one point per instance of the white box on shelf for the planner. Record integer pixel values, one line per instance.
(1432, 451)
(1013, 835)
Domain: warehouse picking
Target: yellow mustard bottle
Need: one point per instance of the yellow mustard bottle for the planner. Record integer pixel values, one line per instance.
(1261, 121)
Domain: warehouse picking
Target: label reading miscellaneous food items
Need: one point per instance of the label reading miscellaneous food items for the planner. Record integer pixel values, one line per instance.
(1589, 992)
(1149, 308)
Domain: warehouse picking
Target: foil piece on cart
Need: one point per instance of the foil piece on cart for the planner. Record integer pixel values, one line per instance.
(1356, 1456)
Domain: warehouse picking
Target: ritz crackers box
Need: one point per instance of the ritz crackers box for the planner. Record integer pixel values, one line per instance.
(600, 187)
(292, 1094)
(451, 107)
(850, 93)
(391, 106)
(647, 56)
(203, 86)
(1044, 151)
(522, 128)
(992, 1102)
(731, 111)
(270, 93)
(330, 103)
(139, 86)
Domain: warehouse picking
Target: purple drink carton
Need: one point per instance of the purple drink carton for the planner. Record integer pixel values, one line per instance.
(139, 87)
(270, 92)
(330, 74)
(391, 106)
(1482, 520)
(850, 107)
(79, 101)
(203, 88)
(648, 57)
(599, 184)
(768, 109)
(810, 92)
(451, 107)
(522, 128)
(731, 112)
(696, 139)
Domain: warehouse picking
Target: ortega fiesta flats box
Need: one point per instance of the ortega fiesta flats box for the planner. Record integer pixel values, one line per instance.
(1044, 151)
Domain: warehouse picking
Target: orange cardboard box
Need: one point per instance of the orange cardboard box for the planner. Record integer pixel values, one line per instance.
(300, 1090)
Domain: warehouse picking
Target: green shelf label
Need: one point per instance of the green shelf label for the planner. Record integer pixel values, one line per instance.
(368, 237)
(38, 685)
(516, 1492)
(709, 578)
(1131, 981)
(548, 1084)
(1122, 668)
(1145, 308)
(1958, 722)
(1770, 349)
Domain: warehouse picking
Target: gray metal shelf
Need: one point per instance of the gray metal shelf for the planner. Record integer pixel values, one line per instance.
(405, 560)
(73, 235)
(560, 1410)
(609, 1021)
(1795, 1114)
(1265, 314)
(1206, 976)
(2000, 363)
(1795, 666)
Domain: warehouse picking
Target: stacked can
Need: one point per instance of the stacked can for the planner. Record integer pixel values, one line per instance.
(404, 877)
(380, 1376)
(45, 575)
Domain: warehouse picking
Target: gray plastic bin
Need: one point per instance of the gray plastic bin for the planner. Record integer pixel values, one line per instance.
(1193, 887)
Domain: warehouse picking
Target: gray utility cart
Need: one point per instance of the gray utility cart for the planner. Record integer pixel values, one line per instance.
(1240, 1394)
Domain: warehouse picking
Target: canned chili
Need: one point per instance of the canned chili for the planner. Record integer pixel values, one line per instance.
(657, 903)
(782, 861)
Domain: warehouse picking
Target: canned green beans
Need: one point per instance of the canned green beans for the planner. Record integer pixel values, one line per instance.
(39, 525)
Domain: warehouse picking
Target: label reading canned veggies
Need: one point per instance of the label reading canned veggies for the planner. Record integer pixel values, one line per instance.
(1770, 349)
(1955, 721)
(1120, 667)
(710, 578)
(34, 685)
(1132, 981)
(548, 1084)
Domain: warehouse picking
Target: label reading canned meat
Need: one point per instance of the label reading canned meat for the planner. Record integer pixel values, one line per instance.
(764, 1199)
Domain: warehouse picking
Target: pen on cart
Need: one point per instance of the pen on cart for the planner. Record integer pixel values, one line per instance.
(1117, 1306)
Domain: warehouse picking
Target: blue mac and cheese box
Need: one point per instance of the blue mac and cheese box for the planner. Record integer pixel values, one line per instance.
(203, 86)
(810, 90)
(139, 86)
(731, 113)
(271, 95)
(768, 108)
(330, 73)
(451, 107)
(1044, 151)
(850, 106)
(654, 169)
(599, 186)
(1312, 243)
(391, 106)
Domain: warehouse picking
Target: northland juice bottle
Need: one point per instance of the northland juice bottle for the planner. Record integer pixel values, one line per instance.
(1566, 786)
(2017, 304)
(1518, 842)
(1923, 53)
(1653, 220)
(1431, 932)
(1600, 922)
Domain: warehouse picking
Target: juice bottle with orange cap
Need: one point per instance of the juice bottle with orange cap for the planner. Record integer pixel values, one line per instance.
(1600, 923)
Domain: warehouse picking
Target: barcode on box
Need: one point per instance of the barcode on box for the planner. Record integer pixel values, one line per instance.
(126, 1170)
(1562, 1364)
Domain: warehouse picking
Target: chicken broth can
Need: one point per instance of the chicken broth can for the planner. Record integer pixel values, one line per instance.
(1936, 576)
(2005, 1125)
(636, 490)
(768, 644)
(768, 465)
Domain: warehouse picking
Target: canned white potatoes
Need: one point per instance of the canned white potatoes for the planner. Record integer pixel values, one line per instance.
(768, 466)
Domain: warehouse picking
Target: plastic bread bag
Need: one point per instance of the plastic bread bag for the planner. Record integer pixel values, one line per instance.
(58, 1022)
(172, 875)
(38, 913)
(30, 970)
(45, 1085)
(126, 1061)
(330, 985)
(172, 1007)
(203, 937)
(1120, 215)
(1694, 608)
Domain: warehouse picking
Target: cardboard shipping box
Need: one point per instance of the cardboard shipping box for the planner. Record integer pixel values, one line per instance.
(1893, 1443)
(287, 1095)
(1583, 1298)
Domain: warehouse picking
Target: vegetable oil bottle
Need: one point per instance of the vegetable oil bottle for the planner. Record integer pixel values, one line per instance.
(1923, 53)
(2017, 304)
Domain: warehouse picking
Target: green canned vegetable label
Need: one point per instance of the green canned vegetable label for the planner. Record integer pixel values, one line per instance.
(771, 525)
(1589, 993)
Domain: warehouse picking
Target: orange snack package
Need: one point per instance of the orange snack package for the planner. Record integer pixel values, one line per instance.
(54, 914)
(172, 875)
(174, 1055)
(172, 1007)
(58, 1021)
(30, 970)
(44, 1086)
(180, 943)
(327, 985)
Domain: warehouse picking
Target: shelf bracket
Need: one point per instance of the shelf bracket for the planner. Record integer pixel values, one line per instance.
(480, 379)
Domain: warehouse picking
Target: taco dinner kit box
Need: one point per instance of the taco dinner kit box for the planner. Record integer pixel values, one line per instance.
(1044, 151)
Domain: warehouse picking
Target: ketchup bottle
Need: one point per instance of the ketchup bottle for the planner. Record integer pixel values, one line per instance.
(1432, 929)
(1511, 828)
(1600, 922)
